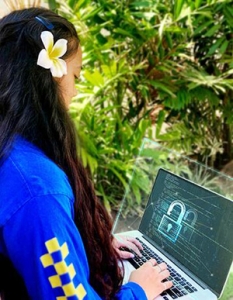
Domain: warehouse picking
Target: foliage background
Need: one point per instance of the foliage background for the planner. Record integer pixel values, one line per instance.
(161, 69)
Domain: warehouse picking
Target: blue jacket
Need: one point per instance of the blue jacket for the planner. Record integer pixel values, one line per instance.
(39, 235)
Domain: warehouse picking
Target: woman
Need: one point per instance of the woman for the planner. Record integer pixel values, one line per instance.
(55, 238)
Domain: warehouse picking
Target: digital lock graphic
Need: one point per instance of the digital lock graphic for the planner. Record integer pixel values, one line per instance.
(170, 226)
(190, 219)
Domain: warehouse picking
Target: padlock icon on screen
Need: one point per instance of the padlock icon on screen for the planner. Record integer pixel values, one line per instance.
(169, 226)
(190, 219)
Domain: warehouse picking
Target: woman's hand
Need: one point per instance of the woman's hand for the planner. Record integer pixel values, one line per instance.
(131, 243)
(150, 276)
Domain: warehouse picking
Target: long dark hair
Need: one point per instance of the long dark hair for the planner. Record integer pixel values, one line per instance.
(32, 106)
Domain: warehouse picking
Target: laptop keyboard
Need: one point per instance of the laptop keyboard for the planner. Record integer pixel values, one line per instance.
(180, 286)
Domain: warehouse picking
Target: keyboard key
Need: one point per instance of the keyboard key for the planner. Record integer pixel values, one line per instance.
(188, 288)
(176, 291)
(171, 294)
(180, 287)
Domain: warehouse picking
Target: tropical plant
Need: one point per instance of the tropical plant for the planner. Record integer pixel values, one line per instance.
(149, 61)
(201, 74)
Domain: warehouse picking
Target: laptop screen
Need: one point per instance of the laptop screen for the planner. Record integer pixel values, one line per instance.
(193, 225)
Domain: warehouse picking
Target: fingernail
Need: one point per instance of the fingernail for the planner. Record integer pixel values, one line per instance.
(131, 255)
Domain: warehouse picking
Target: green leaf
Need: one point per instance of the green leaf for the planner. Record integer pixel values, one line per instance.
(84, 157)
(153, 153)
(91, 13)
(119, 176)
(74, 3)
(53, 5)
(143, 125)
(228, 12)
(92, 163)
(160, 120)
(224, 47)
(181, 101)
(123, 32)
(198, 3)
(215, 46)
(186, 13)
(212, 30)
(94, 78)
(163, 25)
(141, 180)
(141, 4)
(178, 5)
(169, 40)
(136, 192)
(161, 86)
(202, 27)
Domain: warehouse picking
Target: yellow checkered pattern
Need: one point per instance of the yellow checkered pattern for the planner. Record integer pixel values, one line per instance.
(61, 268)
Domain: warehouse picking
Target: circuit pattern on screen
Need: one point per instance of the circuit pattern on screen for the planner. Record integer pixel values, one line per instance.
(193, 224)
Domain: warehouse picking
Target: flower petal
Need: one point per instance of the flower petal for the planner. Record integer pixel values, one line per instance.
(47, 39)
(59, 49)
(58, 68)
(44, 60)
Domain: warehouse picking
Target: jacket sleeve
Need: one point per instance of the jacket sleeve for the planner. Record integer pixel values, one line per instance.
(46, 249)
(130, 291)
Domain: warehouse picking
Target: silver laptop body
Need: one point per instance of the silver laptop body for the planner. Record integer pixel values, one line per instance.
(190, 228)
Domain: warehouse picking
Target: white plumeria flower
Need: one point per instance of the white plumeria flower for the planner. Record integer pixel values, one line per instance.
(49, 58)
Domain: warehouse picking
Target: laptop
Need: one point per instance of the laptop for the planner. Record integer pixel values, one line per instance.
(190, 228)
